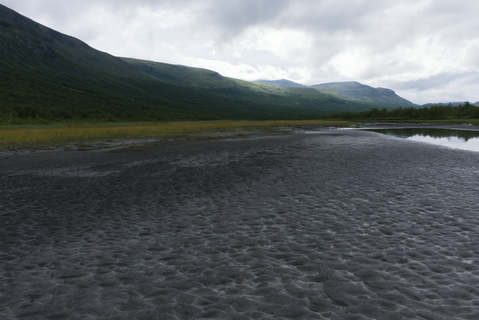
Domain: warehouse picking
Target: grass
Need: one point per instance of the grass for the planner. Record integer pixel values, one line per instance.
(38, 137)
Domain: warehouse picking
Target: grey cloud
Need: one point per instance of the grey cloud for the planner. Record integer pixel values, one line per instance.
(234, 16)
(68, 12)
(334, 16)
(316, 17)
(437, 81)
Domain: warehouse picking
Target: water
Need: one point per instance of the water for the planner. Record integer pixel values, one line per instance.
(457, 139)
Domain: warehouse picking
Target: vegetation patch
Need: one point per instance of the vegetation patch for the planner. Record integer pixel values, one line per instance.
(38, 137)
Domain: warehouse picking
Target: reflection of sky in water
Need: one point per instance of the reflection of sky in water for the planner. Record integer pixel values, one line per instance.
(452, 142)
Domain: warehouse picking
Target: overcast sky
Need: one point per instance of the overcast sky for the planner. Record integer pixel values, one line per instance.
(425, 50)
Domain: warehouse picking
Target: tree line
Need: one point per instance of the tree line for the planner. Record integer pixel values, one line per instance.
(435, 112)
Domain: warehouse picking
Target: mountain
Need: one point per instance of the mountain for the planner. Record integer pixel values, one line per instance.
(47, 75)
(300, 101)
(282, 82)
(361, 93)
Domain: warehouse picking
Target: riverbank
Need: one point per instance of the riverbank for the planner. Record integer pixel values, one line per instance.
(110, 135)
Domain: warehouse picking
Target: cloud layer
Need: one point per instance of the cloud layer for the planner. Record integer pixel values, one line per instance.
(424, 50)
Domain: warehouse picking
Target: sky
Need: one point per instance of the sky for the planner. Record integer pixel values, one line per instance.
(425, 50)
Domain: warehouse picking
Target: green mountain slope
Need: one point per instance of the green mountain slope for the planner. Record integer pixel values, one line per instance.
(366, 94)
(178, 75)
(283, 82)
(46, 75)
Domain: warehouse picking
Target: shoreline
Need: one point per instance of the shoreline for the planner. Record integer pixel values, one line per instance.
(84, 138)
(386, 125)
(121, 145)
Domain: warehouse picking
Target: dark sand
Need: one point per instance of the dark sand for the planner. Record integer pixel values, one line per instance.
(338, 224)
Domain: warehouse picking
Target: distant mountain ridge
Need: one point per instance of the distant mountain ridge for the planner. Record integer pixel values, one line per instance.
(352, 90)
(362, 93)
(211, 81)
(47, 75)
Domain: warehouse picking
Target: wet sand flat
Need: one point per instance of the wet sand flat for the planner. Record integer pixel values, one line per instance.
(335, 224)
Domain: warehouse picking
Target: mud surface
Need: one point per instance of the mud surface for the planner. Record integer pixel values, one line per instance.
(337, 224)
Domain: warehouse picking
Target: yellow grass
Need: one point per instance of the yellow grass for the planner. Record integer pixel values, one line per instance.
(47, 137)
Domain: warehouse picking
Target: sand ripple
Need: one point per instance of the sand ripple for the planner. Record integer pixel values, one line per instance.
(333, 225)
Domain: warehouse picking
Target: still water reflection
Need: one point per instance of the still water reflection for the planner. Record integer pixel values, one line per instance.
(458, 139)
